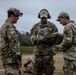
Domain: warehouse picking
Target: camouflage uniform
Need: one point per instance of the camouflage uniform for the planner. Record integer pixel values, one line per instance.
(29, 65)
(10, 49)
(68, 46)
(43, 51)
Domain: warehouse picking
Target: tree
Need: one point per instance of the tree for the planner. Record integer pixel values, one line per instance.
(25, 39)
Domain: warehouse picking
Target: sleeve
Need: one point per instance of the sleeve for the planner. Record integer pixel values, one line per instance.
(68, 35)
(13, 40)
(3, 45)
(2, 39)
(33, 34)
(54, 28)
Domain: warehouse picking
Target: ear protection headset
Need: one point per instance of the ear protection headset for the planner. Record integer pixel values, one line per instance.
(49, 16)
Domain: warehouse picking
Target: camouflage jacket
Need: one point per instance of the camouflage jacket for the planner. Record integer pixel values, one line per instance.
(68, 44)
(44, 30)
(9, 43)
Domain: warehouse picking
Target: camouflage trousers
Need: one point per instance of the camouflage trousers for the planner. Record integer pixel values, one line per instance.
(69, 67)
(44, 64)
(12, 69)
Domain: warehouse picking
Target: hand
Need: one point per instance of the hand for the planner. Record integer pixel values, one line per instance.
(56, 34)
(56, 46)
(19, 64)
(41, 37)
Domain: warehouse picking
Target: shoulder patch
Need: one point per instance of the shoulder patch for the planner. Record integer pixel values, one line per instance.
(12, 30)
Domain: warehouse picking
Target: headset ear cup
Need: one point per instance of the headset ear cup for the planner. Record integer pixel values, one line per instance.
(39, 15)
(49, 16)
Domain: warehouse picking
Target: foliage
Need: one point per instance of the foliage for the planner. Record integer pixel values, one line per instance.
(25, 39)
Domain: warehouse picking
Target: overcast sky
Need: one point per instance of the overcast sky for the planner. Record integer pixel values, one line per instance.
(31, 8)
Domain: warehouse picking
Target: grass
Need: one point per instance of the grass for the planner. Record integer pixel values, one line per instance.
(27, 49)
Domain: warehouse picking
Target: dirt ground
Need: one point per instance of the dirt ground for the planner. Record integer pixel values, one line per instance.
(58, 65)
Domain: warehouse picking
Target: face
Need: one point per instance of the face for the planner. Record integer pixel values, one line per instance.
(15, 19)
(62, 21)
(43, 20)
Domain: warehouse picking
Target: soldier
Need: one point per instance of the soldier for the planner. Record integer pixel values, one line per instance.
(10, 43)
(41, 34)
(68, 45)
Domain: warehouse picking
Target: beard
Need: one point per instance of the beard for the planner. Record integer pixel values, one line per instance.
(43, 22)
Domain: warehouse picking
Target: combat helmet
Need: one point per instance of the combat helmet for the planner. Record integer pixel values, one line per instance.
(44, 13)
(14, 11)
